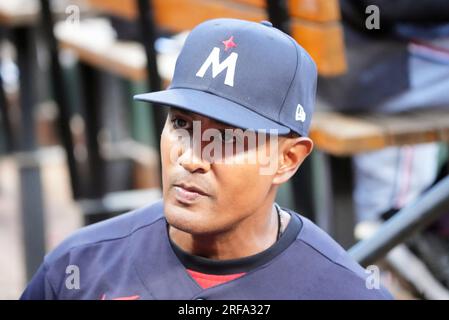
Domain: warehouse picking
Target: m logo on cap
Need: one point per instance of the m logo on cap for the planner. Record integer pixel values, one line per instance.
(217, 67)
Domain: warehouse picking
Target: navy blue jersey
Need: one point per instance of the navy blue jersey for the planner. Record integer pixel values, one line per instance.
(132, 257)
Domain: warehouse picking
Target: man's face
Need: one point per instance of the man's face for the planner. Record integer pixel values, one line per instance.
(211, 192)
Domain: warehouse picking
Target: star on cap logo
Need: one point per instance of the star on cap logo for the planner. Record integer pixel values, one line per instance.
(229, 44)
(218, 67)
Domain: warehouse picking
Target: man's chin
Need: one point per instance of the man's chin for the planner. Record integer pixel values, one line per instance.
(194, 219)
(185, 218)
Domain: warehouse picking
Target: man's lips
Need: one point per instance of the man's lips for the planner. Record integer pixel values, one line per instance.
(191, 188)
(188, 193)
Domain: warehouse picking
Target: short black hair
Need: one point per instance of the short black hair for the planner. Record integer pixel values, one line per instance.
(292, 134)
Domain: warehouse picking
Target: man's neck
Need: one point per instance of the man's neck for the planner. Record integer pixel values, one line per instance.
(253, 235)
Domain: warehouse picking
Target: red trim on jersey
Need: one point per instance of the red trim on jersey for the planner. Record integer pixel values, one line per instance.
(209, 280)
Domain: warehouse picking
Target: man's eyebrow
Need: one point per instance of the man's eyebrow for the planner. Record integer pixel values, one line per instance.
(185, 112)
(193, 115)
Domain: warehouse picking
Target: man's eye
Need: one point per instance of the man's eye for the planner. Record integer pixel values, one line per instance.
(179, 123)
(228, 137)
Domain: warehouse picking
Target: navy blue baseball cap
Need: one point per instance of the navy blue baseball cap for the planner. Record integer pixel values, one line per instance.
(246, 74)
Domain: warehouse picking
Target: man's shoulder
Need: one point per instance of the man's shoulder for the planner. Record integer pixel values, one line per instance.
(323, 256)
(322, 244)
(117, 229)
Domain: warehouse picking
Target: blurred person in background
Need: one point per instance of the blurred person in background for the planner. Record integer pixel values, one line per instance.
(402, 65)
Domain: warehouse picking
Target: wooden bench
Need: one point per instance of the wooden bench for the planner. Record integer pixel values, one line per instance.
(314, 23)
(14, 14)
(125, 59)
(349, 134)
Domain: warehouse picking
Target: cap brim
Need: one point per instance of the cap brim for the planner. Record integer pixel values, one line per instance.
(213, 107)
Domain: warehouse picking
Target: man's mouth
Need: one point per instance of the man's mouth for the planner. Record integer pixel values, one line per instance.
(188, 193)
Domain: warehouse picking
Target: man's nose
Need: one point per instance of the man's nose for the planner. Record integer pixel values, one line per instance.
(191, 160)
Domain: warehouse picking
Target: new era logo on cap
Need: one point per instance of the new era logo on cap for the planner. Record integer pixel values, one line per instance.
(300, 113)
(246, 74)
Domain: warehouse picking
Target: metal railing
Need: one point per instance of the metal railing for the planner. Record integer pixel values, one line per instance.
(409, 220)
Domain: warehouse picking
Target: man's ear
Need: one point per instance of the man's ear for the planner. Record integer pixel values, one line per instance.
(292, 152)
